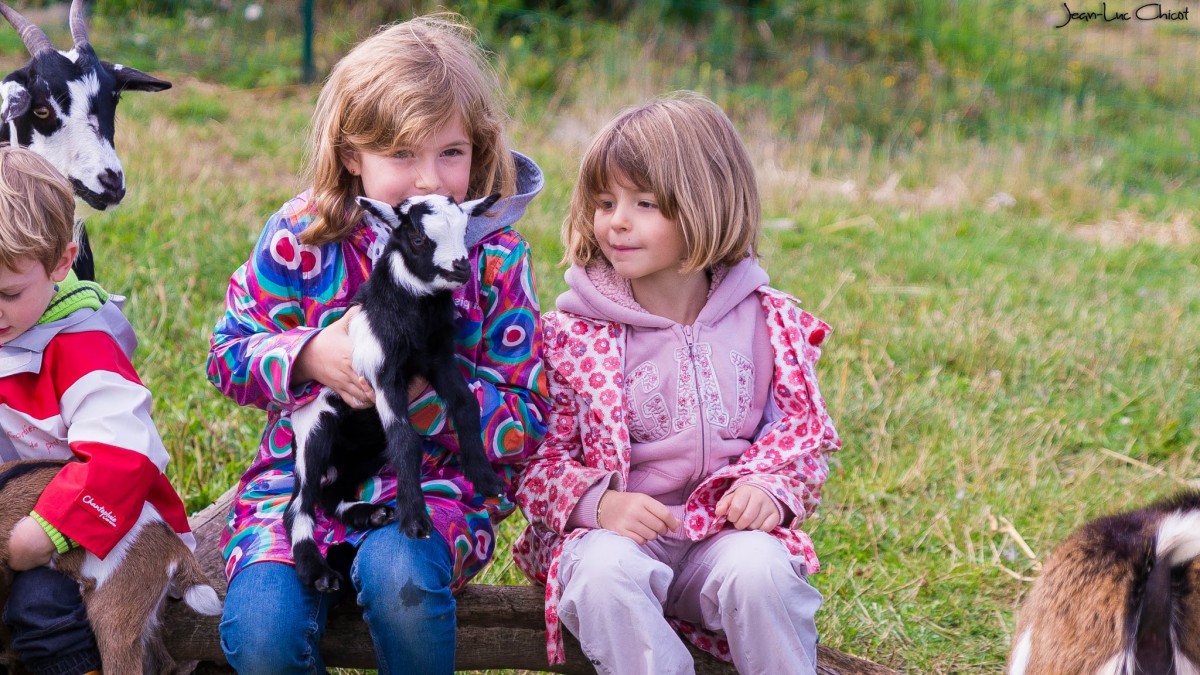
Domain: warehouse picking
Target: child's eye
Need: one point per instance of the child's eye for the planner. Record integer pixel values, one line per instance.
(604, 204)
(454, 152)
(647, 204)
(10, 296)
(402, 154)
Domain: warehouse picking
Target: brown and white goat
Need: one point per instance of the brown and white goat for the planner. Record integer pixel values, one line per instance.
(1121, 596)
(63, 106)
(124, 593)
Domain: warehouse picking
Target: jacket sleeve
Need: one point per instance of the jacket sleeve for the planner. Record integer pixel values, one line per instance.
(789, 459)
(254, 346)
(106, 412)
(504, 359)
(556, 476)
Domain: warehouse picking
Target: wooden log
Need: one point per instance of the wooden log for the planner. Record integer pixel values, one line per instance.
(499, 627)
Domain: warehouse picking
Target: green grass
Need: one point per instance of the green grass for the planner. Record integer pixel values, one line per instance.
(998, 374)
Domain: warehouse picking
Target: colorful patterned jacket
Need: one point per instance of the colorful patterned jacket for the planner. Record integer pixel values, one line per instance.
(587, 439)
(287, 291)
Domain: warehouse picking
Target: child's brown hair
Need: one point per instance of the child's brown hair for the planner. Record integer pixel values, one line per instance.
(684, 149)
(395, 90)
(37, 209)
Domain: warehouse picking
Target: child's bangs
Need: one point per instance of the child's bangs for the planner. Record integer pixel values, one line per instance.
(408, 122)
(617, 162)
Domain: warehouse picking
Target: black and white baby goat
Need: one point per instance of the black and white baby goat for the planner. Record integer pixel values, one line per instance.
(404, 329)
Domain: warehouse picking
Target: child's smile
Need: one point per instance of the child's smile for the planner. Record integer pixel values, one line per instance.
(634, 235)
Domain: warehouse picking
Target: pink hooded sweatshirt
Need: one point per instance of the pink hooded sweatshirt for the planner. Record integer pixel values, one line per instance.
(697, 396)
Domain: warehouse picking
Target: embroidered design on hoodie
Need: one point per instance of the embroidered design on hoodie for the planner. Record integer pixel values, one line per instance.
(649, 421)
(744, 369)
(696, 361)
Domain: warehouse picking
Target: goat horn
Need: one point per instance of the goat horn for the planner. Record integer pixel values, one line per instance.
(35, 40)
(79, 31)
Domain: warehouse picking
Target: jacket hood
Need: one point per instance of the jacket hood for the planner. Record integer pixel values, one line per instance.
(598, 292)
(510, 209)
(24, 354)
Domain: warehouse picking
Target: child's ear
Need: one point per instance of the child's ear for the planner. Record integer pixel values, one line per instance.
(63, 266)
(351, 161)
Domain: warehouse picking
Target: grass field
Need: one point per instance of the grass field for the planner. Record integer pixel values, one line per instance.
(1015, 309)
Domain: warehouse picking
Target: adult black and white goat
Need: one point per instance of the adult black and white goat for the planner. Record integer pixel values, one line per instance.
(63, 105)
(1120, 596)
(405, 328)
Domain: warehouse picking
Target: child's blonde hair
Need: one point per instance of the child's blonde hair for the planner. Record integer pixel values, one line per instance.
(395, 90)
(37, 209)
(684, 149)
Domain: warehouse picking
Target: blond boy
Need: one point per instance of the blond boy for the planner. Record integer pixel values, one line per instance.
(67, 391)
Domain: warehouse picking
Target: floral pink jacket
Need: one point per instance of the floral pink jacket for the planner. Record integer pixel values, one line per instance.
(587, 438)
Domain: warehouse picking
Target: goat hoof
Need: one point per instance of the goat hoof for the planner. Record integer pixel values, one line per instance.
(329, 582)
(382, 516)
(417, 528)
(490, 487)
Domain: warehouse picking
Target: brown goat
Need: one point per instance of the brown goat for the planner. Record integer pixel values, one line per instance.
(124, 593)
(1121, 596)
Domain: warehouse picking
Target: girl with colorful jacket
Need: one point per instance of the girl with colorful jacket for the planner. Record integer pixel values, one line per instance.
(414, 109)
(687, 439)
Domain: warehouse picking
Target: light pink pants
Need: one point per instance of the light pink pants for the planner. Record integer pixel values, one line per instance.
(745, 584)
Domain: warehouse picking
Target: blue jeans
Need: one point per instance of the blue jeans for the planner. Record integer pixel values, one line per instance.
(273, 624)
(48, 624)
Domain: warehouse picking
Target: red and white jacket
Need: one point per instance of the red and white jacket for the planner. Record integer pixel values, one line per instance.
(69, 391)
(588, 440)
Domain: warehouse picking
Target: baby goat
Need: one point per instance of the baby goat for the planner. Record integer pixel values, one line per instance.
(1121, 596)
(405, 328)
(125, 592)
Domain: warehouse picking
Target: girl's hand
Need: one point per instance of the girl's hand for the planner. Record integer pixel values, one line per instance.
(326, 359)
(29, 546)
(640, 517)
(749, 508)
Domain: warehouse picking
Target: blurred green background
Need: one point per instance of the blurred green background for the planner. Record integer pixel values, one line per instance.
(997, 216)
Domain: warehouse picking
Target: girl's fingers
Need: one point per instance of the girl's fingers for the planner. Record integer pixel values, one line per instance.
(756, 516)
(752, 515)
(659, 525)
(737, 506)
(368, 394)
(640, 533)
(643, 529)
(771, 522)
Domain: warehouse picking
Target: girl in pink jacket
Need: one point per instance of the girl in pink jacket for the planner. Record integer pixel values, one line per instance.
(687, 440)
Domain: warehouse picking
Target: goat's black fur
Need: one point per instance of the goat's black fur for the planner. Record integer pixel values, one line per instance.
(408, 315)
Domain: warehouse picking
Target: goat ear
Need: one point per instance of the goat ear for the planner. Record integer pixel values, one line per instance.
(132, 79)
(381, 210)
(480, 206)
(15, 100)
